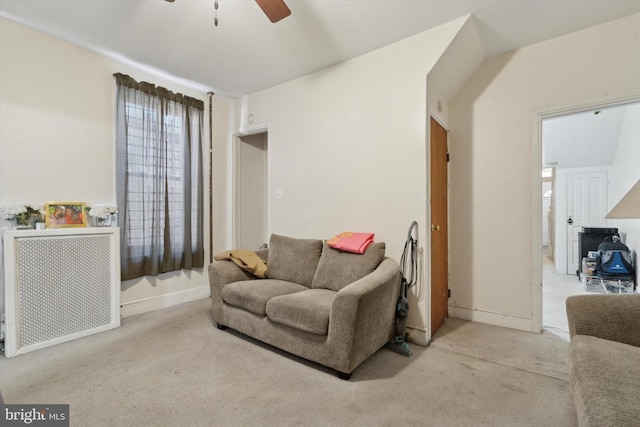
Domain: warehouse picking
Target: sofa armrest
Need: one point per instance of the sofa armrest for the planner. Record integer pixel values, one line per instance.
(224, 272)
(363, 313)
(612, 317)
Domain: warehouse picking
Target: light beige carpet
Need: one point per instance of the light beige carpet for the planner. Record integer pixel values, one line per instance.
(172, 367)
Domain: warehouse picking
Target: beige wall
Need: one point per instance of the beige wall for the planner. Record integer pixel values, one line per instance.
(494, 192)
(57, 138)
(347, 143)
(348, 147)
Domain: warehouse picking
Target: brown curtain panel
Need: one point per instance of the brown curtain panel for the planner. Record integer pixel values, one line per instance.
(159, 137)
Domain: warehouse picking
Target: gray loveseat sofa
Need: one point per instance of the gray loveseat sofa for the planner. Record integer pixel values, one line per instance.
(604, 359)
(331, 307)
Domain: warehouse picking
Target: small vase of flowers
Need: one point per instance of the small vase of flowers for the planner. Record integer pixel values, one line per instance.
(102, 214)
(25, 216)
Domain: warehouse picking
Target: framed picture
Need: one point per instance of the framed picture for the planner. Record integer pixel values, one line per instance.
(65, 214)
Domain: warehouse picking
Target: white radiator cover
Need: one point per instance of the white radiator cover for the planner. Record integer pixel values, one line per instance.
(59, 285)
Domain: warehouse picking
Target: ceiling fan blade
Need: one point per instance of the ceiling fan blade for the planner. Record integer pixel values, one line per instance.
(274, 9)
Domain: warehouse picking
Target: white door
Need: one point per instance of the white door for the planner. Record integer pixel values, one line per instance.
(586, 207)
(250, 191)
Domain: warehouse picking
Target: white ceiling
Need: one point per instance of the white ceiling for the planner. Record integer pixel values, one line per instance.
(247, 53)
(585, 139)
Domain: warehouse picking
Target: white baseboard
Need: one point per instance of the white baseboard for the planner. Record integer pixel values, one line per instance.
(492, 318)
(418, 336)
(163, 301)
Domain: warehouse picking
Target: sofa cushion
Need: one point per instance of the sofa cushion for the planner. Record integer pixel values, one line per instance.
(252, 295)
(604, 378)
(307, 310)
(338, 269)
(293, 260)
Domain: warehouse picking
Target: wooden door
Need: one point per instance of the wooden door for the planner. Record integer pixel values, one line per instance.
(439, 227)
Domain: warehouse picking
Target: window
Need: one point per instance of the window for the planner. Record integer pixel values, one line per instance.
(159, 146)
(141, 173)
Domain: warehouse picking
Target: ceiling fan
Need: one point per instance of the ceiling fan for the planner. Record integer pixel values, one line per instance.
(274, 9)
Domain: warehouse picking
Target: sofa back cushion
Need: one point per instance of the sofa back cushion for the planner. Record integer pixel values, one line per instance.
(293, 260)
(338, 269)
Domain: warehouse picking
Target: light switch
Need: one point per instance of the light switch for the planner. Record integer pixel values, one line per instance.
(279, 194)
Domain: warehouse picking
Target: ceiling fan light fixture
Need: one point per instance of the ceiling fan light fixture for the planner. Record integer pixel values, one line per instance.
(274, 9)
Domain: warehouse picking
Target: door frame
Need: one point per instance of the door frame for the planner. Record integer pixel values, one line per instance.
(235, 138)
(536, 190)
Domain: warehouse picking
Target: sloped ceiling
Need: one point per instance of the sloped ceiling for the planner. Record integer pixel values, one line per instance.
(581, 140)
(247, 53)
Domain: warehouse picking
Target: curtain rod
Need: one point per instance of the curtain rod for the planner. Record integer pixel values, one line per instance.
(151, 89)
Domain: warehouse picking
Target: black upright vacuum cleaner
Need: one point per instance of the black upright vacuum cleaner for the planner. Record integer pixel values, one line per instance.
(408, 279)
